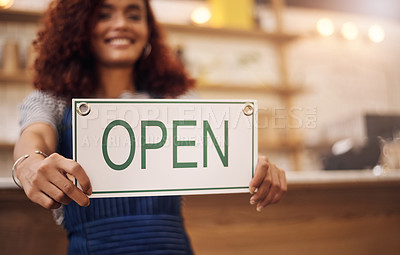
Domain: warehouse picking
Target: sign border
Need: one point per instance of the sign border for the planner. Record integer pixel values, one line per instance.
(75, 102)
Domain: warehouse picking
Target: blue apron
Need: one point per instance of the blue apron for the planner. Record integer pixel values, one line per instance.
(126, 225)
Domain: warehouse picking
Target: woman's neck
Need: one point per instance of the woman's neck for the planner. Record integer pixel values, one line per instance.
(114, 81)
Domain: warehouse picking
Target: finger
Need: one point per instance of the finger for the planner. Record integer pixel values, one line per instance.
(260, 173)
(43, 200)
(56, 194)
(75, 169)
(71, 190)
(32, 186)
(282, 192)
(274, 189)
(262, 190)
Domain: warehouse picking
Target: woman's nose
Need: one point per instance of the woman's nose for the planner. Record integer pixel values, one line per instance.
(120, 21)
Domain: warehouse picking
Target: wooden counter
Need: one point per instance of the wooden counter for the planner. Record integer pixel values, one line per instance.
(323, 213)
(352, 212)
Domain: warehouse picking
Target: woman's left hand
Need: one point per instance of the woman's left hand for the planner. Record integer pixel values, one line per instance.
(268, 185)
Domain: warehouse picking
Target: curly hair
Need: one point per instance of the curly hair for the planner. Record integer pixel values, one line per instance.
(65, 65)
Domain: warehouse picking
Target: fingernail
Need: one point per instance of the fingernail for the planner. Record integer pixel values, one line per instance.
(252, 201)
(252, 189)
(260, 208)
(88, 191)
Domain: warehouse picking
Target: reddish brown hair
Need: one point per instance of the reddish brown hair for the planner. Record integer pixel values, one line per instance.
(66, 66)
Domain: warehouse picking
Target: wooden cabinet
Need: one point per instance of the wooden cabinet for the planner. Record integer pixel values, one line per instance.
(27, 228)
(353, 219)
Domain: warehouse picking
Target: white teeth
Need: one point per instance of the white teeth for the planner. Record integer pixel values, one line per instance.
(120, 41)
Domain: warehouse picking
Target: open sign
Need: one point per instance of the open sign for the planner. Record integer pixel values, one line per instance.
(165, 147)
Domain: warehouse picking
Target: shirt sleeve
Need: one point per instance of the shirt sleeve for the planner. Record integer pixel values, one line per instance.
(43, 107)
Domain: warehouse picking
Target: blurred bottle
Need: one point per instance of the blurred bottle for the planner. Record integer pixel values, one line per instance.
(11, 63)
(30, 60)
(236, 14)
(390, 155)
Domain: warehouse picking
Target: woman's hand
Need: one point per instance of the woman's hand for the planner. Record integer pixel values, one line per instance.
(45, 181)
(268, 185)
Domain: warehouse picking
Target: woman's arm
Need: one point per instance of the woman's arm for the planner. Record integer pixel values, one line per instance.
(45, 180)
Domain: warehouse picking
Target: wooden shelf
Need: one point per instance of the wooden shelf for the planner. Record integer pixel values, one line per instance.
(251, 34)
(282, 146)
(6, 145)
(20, 16)
(277, 89)
(18, 77)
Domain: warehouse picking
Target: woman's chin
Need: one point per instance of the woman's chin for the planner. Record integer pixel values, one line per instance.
(118, 63)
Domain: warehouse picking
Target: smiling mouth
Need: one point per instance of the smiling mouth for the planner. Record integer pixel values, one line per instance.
(119, 41)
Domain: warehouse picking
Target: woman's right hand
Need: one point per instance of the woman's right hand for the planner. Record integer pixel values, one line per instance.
(45, 181)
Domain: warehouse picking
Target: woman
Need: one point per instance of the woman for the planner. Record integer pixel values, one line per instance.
(111, 49)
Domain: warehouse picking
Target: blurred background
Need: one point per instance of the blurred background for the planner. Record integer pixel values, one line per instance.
(322, 71)
(326, 75)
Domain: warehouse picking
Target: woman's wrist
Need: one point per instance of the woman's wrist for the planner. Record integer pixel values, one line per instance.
(36, 155)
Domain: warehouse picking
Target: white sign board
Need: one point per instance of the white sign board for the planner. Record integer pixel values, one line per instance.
(165, 147)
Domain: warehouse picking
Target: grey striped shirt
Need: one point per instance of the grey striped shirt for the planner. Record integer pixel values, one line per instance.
(43, 107)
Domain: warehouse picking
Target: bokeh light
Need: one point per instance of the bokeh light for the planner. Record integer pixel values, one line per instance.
(376, 34)
(349, 31)
(5, 4)
(325, 27)
(201, 15)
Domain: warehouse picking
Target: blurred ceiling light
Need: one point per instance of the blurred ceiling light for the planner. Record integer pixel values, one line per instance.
(325, 27)
(376, 34)
(349, 31)
(5, 4)
(201, 15)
